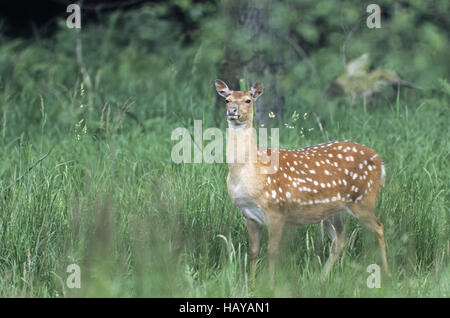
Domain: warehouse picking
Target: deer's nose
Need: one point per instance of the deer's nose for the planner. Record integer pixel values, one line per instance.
(232, 111)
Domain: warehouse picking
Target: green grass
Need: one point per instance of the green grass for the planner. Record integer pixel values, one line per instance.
(109, 199)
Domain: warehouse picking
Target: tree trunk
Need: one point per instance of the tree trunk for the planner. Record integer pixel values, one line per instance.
(264, 65)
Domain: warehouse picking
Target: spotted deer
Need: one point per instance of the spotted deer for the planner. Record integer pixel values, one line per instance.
(309, 185)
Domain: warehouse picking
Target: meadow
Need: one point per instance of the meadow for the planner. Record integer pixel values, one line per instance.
(109, 198)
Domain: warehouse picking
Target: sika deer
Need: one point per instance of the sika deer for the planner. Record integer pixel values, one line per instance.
(310, 185)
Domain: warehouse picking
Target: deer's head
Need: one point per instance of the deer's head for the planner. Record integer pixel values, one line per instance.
(239, 104)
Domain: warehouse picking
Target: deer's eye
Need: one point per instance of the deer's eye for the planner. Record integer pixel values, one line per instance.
(227, 101)
(248, 101)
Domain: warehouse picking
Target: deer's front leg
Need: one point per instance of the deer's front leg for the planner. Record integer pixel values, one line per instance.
(276, 224)
(254, 238)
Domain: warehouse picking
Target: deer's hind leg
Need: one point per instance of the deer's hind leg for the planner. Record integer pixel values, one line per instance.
(335, 229)
(365, 211)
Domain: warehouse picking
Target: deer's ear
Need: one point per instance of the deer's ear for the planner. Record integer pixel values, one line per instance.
(222, 88)
(256, 90)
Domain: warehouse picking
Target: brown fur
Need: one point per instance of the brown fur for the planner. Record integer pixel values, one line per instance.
(310, 185)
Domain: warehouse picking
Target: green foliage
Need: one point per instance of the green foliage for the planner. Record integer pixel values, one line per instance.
(109, 198)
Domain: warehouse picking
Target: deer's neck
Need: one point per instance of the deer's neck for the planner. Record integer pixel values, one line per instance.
(241, 150)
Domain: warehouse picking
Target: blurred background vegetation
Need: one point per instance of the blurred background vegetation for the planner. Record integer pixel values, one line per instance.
(296, 48)
(105, 99)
